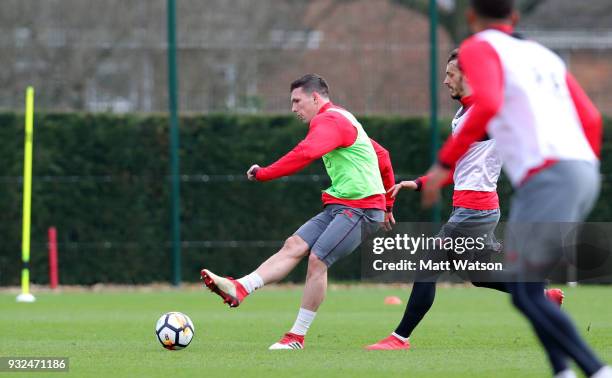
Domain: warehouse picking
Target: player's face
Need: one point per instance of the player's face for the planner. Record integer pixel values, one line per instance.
(454, 80)
(304, 105)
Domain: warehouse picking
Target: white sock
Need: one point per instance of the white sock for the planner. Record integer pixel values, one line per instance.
(251, 282)
(604, 372)
(303, 322)
(400, 338)
(567, 373)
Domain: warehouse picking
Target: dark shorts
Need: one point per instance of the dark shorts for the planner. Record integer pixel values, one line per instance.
(466, 223)
(475, 223)
(338, 230)
(544, 214)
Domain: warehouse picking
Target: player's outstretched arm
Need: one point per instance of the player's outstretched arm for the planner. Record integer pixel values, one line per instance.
(421, 182)
(321, 139)
(410, 185)
(436, 176)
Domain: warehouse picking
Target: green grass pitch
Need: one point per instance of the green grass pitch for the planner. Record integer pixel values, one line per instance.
(469, 332)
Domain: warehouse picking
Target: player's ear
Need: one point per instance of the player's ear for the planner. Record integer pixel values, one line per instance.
(470, 16)
(467, 90)
(515, 17)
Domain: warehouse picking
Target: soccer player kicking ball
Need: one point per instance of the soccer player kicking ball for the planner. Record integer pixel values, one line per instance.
(354, 206)
(548, 135)
(475, 210)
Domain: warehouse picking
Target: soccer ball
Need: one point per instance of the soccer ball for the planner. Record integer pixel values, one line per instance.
(174, 330)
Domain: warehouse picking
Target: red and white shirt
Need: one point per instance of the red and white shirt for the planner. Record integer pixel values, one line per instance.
(527, 101)
(476, 173)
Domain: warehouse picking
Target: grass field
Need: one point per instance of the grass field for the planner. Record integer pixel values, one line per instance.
(469, 332)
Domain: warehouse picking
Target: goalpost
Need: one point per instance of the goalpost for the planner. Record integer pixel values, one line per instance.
(25, 295)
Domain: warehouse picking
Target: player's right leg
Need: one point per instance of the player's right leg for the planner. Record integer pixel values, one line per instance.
(274, 269)
(421, 299)
(554, 329)
(548, 203)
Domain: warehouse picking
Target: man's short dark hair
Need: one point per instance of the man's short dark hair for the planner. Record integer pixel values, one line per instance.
(311, 83)
(496, 9)
(454, 55)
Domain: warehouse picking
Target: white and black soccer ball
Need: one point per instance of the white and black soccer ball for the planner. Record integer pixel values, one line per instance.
(174, 330)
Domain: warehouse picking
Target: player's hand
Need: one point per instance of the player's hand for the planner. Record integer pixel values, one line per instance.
(389, 221)
(431, 190)
(411, 185)
(252, 171)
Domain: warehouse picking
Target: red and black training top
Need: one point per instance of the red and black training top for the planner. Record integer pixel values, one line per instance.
(328, 131)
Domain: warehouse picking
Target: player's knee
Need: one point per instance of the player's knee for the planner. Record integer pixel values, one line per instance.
(295, 246)
(316, 266)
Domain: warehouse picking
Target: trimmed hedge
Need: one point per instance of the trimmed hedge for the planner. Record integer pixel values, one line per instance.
(102, 181)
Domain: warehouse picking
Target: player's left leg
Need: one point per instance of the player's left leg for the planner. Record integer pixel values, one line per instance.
(316, 284)
(486, 279)
(343, 235)
(499, 286)
(275, 268)
(490, 281)
(314, 294)
(555, 295)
